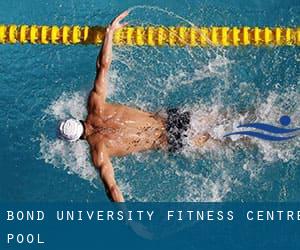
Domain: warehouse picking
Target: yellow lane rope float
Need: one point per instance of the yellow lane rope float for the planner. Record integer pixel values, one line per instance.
(152, 36)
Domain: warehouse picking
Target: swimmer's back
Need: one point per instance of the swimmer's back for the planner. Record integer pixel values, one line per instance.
(126, 130)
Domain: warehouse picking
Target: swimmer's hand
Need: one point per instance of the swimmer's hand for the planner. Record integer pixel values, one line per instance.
(115, 24)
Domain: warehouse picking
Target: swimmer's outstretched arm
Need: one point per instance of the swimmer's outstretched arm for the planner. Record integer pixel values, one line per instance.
(105, 56)
(103, 164)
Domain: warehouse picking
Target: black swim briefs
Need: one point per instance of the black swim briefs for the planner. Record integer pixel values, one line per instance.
(177, 124)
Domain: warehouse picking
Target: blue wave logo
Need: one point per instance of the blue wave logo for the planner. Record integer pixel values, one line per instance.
(279, 133)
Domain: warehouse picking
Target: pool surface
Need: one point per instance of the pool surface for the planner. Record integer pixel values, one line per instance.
(42, 84)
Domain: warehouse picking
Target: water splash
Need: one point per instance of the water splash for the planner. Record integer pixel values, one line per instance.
(192, 184)
(215, 85)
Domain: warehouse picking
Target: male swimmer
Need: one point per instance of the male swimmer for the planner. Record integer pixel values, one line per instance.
(117, 130)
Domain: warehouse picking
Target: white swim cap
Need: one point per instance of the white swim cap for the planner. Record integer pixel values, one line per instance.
(70, 130)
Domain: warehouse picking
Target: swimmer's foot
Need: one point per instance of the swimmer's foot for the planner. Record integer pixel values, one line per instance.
(200, 140)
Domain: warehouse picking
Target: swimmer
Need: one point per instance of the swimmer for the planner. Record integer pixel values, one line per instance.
(114, 130)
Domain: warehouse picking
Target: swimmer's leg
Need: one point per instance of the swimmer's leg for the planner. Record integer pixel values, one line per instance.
(200, 140)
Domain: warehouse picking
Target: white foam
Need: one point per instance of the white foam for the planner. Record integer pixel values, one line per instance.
(174, 182)
(72, 157)
(68, 105)
(216, 121)
(214, 118)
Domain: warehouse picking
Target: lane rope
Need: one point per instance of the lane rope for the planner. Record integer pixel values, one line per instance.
(152, 35)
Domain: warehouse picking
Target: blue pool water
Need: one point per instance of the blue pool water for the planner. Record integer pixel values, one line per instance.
(42, 84)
